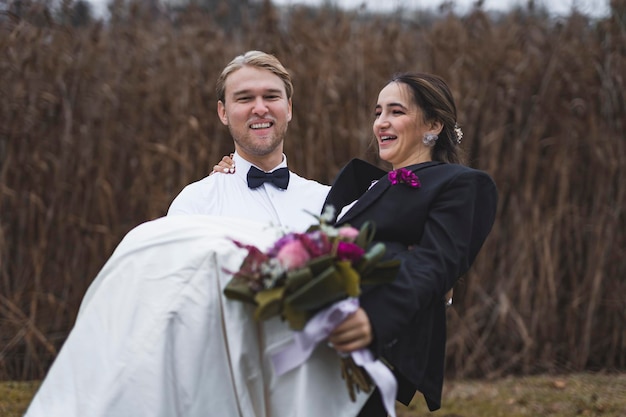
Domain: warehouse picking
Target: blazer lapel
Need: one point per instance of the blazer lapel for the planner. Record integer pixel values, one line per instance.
(351, 182)
(367, 199)
(374, 193)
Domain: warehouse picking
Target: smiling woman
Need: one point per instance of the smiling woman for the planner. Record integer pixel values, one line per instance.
(442, 214)
(416, 121)
(400, 126)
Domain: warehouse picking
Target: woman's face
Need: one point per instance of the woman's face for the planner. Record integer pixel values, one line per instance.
(399, 127)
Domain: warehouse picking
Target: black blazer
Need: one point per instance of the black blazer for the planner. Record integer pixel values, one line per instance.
(436, 231)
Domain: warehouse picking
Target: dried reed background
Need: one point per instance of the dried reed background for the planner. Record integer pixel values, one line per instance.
(102, 124)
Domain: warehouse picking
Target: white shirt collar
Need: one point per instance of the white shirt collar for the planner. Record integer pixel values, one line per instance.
(242, 166)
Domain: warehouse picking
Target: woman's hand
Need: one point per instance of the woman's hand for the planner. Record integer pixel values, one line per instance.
(225, 166)
(353, 334)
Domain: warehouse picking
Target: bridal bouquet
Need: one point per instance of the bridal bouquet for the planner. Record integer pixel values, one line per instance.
(305, 273)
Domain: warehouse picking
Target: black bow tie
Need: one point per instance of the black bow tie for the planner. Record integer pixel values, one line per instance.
(279, 177)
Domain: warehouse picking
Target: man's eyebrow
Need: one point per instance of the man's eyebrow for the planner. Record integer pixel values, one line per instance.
(250, 91)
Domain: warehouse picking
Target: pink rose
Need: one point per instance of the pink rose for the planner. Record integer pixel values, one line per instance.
(289, 237)
(348, 233)
(293, 255)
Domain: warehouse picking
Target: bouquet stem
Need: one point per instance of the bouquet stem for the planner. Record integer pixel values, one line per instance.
(355, 376)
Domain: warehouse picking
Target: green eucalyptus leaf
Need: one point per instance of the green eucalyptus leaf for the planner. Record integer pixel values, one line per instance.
(366, 234)
(297, 278)
(322, 290)
(239, 290)
(371, 258)
(269, 303)
(296, 319)
(320, 264)
(349, 277)
(381, 273)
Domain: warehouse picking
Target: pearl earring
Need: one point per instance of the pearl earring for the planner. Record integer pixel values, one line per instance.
(430, 139)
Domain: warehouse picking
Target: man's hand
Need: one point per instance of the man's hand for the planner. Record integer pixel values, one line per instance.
(353, 334)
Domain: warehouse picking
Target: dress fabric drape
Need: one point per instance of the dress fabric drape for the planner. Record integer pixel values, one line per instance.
(156, 337)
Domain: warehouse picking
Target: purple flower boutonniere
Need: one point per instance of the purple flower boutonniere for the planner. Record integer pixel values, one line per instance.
(405, 176)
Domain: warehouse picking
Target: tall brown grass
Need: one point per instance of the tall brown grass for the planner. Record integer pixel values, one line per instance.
(101, 126)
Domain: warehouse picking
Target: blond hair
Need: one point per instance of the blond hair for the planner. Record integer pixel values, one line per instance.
(256, 59)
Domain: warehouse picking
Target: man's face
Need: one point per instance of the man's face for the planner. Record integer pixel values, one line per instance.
(257, 111)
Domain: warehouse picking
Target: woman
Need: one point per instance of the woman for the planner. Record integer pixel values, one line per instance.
(436, 229)
(435, 226)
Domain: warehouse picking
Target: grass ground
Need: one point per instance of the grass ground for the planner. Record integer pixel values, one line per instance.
(589, 395)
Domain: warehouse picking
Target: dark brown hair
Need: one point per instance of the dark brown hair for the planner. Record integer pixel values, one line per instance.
(433, 96)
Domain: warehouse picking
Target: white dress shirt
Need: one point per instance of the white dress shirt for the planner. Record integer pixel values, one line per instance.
(229, 195)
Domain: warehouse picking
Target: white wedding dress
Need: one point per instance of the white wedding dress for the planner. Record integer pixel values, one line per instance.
(156, 337)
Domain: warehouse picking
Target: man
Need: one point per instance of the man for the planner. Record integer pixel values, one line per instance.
(254, 94)
(254, 100)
